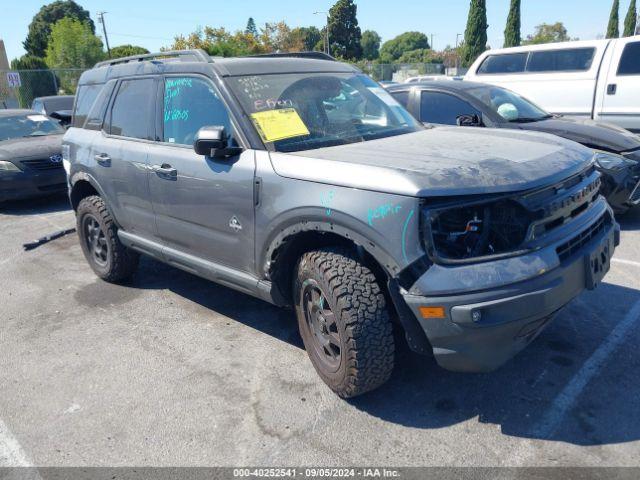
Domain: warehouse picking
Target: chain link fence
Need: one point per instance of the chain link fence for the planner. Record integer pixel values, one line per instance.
(18, 88)
(399, 72)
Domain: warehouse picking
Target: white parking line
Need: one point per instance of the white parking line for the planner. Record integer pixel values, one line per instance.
(625, 262)
(568, 396)
(11, 453)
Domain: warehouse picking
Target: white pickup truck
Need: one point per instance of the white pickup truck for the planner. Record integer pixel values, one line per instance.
(598, 79)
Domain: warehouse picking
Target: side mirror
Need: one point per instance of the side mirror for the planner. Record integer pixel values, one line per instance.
(469, 121)
(213, 142)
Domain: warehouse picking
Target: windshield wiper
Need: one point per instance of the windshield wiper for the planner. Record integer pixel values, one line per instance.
(530, 119)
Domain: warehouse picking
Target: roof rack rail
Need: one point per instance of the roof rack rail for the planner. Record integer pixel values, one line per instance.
(196, 55)
(316, 55)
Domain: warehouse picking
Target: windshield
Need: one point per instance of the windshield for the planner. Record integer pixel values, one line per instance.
(18, 126)
(509, 105)
(294, 112)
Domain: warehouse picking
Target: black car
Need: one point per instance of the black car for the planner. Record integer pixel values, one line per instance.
(30, 155)
(55, 106)
(473, 104)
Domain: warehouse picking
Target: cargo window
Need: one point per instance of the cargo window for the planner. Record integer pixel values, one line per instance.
(84, 100)
(508, 63)
(444, 109)
(630, 60)
(132, 111)
(99, 108)
(191, 103)
(565, 60)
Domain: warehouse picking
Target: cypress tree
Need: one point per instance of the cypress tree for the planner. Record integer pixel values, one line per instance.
(475, 35)
(613, 29)
(251, 27)
(344, 33)
(512, 31)
(630, 20)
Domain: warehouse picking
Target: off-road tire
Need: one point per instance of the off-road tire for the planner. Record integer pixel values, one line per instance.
(360, 315)
(120, 262)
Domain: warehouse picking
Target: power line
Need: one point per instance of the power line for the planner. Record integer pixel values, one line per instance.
(140, 36)
(104, 29)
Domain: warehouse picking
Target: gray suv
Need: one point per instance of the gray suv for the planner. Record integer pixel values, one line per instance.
(299, 180)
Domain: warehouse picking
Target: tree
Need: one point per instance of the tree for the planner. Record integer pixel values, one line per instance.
(40, 27)
(630, 20)
(393, 49)
(72, 45)
(475, 35)
(512, 30)
(251, 27)
(34, 84)
(370, 44)
(303, 39)
(127, 50)
(613, 29)
(221, 43)
(344, 32)
(548, 33)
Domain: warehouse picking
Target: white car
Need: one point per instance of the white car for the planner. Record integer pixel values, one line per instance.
(598, 79)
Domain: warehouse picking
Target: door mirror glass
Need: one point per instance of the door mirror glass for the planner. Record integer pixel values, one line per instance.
(213, 142)
(469, 121)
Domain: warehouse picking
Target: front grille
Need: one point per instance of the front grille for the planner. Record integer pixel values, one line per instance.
(635, 195)
(568, 249)
(560, 203)
(42, 164)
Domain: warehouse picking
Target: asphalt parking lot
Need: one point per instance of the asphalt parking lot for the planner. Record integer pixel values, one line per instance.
(172, 370)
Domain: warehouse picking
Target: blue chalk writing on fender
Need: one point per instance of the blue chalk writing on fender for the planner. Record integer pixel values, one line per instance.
(326, 200)
(381, 212)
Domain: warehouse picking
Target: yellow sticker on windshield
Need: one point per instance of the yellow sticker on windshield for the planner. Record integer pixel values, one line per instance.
(274, 125)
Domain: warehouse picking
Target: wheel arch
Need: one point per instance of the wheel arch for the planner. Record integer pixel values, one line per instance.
(279, 259)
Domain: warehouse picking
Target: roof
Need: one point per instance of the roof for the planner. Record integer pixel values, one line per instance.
(198, 62)
(51, 97)
(452, 86)
(10, 112)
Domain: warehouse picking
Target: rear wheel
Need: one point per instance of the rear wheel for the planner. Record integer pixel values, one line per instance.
(98, 233)
(343, 321)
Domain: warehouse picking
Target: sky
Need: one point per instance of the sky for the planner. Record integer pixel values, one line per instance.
(154, 23)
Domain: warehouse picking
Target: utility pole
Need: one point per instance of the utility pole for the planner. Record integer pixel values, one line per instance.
(326, 41)
(458, 35)
(104, 29)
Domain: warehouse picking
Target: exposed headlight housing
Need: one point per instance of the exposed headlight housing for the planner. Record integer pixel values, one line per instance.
(473, 232)
(8, 166)
(612, 161)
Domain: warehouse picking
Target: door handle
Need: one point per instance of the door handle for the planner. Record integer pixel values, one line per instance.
(612, 89)
(103, 159)
(165, 171)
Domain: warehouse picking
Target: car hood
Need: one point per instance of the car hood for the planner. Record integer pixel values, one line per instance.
(441, 162)
(604, 136)
(30, 147)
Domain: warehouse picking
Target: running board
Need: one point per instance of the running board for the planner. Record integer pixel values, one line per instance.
(229, 277)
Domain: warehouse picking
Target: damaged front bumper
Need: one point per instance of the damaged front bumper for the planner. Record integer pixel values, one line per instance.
(493, 310)
(622, 188)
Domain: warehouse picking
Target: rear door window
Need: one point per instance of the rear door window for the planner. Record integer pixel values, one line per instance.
(503, 64)
(85, 97)
(443, 108)
(566, 60)
(133, 109)
(401, 97)
(630, 60)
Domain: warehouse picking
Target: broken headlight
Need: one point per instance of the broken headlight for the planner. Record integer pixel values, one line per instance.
(472, 232)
